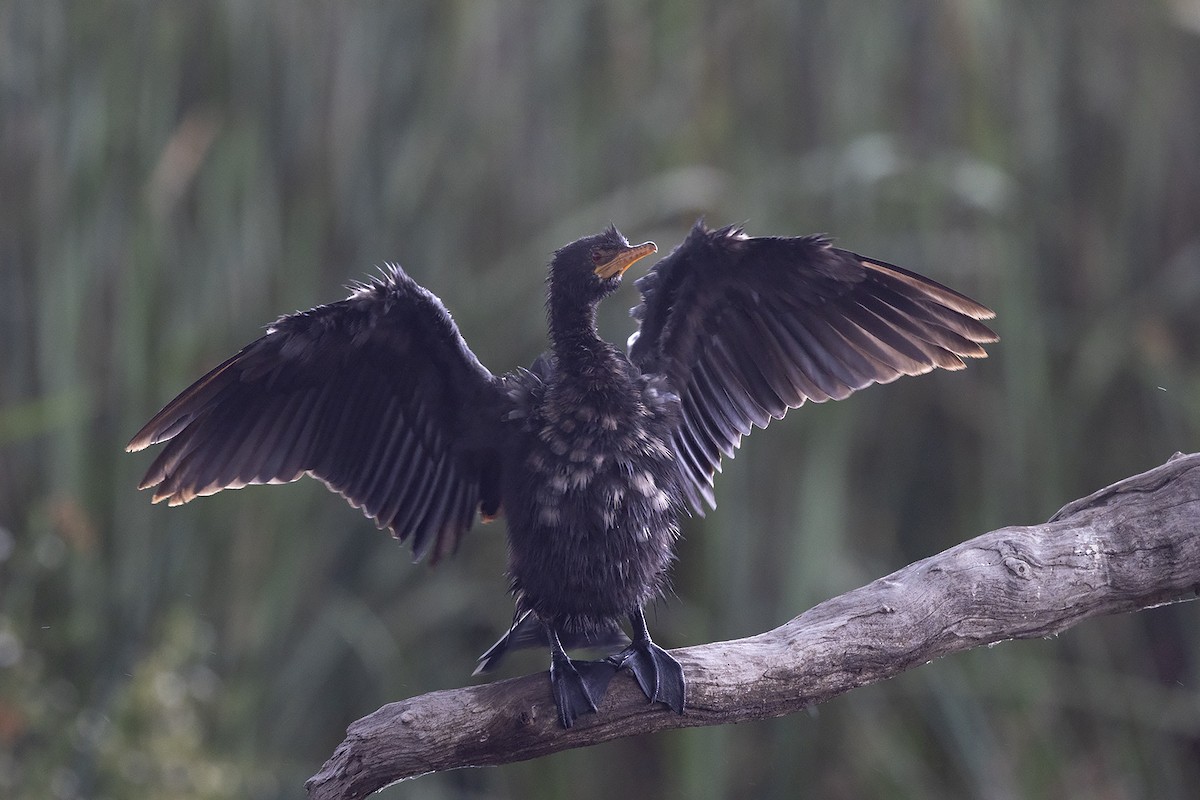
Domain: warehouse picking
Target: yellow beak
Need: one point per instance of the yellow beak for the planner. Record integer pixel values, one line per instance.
(625, 259)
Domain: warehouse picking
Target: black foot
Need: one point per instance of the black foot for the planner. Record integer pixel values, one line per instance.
(658, 674)
(578, 686)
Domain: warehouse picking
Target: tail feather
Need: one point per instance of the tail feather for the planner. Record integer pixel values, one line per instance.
(528, 631)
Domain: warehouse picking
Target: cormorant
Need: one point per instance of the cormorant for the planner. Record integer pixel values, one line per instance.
(591, 454)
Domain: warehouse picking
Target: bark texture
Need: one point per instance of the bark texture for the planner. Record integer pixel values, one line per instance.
(1129, 546)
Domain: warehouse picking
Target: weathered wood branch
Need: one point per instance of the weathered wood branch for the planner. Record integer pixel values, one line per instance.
(1132, 545)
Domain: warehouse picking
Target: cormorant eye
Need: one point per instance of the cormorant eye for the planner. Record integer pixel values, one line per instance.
(598, 256)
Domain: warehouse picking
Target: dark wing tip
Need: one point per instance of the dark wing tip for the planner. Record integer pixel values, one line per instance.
(176, 414)
(931, 288)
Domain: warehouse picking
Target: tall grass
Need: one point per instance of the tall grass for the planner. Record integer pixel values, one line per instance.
(173, 176)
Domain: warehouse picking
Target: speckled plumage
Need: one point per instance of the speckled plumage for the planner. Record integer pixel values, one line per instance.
(592, 454)
(594, 493)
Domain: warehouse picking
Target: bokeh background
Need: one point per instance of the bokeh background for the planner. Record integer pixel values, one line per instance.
(175, 175)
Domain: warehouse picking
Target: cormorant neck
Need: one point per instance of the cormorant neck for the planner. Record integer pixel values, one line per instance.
(573, 331)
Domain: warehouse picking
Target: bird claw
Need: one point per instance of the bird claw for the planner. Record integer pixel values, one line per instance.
(657, 673)
(578, 686)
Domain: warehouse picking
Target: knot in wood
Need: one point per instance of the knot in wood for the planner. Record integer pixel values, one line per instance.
(1019, 568)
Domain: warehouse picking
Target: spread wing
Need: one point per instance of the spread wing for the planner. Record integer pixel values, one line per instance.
(745, 328)
(378, 396)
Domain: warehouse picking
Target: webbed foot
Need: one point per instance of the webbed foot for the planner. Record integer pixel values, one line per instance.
(578, 686)
(658, 674)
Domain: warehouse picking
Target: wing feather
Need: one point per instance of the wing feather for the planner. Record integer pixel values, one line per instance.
(743, 328)
(377, 396)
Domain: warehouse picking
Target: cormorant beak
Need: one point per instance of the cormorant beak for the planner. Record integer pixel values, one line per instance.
(624, 259)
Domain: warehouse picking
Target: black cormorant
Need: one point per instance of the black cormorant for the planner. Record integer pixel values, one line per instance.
(591, 454)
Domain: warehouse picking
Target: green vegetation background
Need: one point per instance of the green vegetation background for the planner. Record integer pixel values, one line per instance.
(175, 175)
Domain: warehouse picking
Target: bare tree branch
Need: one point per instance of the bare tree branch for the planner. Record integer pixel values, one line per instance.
(1132, 545)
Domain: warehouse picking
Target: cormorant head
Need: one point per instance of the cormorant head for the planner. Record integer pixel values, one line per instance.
(589, 269)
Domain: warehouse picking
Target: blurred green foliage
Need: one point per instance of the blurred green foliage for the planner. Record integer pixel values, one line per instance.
(174, 175)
